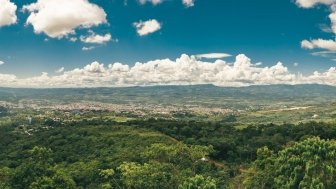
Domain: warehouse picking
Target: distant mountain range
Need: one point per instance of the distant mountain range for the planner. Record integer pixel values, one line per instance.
(194, 94)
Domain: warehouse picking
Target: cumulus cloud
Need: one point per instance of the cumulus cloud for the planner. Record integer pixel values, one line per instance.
(147, 27)
(332, 18)
(213, 55)
(186, 70)
(73, 39)
(8, 80)
(95, 38)
(312, 3)
(2, 62)
(7, 13)
(188, 3)
(329, 45)
(59, 18)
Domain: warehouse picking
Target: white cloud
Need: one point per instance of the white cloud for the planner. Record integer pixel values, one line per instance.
(188, 3)
(154, 2)
(7, 13)
(326, 28)
(61, 70)
(213, 55)
(325, 54)
(312, 3)
(296, 64)
(73, 39)
(185, 70)
(95, 38)
(307, 44)
(88, 48)
(59, 18)
(146, 27)
(2, 62)
(332, 18)
(8, 80)
(329, 45)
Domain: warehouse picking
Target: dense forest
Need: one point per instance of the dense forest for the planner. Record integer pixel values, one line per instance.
(158, 153)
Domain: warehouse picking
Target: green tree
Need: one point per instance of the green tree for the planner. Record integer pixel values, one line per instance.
(108, 176)
(180, 154)
(199, 182)
(38, 172)
(84, 173)
(149, 175)
(310, 164)
(4, 177)
(261, 174)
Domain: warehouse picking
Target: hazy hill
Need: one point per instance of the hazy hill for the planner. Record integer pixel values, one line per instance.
(196, 94)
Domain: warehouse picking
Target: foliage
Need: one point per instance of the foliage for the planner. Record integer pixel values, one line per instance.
(307, 164)
(148, 175)
(84, 156)
(5, 174)
(90, 152)
(3, 111)
(38, 173)
(199, 182)
(167, 166)
(180, 154)
(256, 179)
(238, 145)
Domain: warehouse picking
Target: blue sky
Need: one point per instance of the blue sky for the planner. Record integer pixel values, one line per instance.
(265, 31)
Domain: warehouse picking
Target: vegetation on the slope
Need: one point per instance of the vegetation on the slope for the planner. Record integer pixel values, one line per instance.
(307, 164)
(157, 153)
(100, 157)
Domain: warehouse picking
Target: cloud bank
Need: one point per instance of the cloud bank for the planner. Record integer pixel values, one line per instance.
(59, 18)
(7, 13)
(186, 70)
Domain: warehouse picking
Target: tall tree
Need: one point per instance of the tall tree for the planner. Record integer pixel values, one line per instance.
(310, 164)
